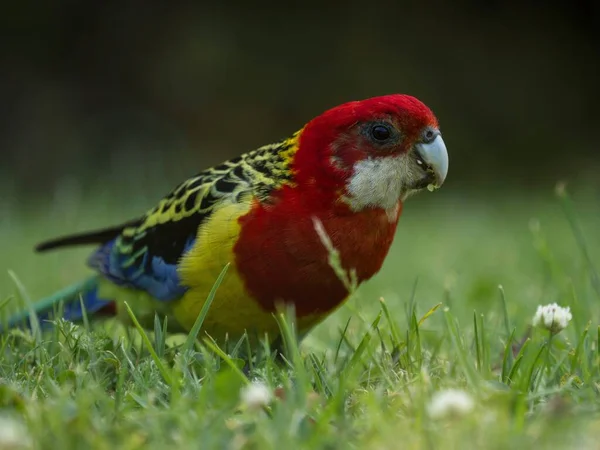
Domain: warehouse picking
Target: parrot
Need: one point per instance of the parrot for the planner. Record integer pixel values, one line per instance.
(343, 177)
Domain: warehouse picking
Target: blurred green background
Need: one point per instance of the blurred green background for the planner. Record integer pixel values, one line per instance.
(113, 94)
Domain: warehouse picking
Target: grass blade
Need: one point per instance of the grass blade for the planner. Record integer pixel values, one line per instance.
(517, 362)
(341, 340)
(392, 323)
(33, 318)
(212, 345)
(161, 367)
(526, 385)
(569, 211)
(429, 313)
(461, 353)
(363, 344)
(579, 348)
(504, 310)
(477, 341)
(485, 356)
(193, 334)
(507, 357)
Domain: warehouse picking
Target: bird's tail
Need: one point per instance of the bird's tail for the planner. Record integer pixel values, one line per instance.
(72, 298)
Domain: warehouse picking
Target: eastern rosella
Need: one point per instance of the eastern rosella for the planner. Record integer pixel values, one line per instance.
(351, 168)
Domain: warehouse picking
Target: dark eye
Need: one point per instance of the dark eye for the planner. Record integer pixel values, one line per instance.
(429, 135)
(381, 133)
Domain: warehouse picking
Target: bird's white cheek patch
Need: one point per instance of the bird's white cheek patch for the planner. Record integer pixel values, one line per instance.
(378, 182)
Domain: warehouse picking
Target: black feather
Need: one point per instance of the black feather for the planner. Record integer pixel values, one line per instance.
(89, 237)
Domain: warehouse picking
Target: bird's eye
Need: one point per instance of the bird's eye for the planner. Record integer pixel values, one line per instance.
(381, 133)
(429, 135)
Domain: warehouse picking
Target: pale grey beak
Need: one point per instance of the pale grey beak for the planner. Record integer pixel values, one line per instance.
(435, 156)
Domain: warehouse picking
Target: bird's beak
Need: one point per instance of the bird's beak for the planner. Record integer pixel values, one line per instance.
(435, 156)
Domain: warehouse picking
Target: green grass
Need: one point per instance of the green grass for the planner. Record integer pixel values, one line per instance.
(362, 379)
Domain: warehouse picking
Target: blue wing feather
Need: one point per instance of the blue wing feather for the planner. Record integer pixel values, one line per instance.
(151, 274)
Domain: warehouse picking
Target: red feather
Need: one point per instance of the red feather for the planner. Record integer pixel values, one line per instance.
(281, 257)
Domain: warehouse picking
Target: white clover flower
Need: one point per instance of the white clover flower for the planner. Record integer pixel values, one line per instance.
(552, 317)
(13, 434)
(450, 403)
(256, 395)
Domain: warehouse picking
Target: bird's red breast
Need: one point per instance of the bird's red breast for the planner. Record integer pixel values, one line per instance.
(281, 257)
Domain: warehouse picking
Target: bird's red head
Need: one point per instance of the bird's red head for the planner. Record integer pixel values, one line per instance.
(373, 152)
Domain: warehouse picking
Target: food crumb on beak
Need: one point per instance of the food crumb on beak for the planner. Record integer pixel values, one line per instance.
(431, 187)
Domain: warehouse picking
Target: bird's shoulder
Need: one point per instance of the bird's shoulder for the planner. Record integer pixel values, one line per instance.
(252, 175)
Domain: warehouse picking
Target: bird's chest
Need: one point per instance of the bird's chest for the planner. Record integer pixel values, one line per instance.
(295, 255)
